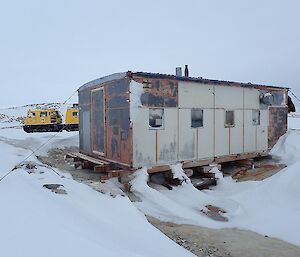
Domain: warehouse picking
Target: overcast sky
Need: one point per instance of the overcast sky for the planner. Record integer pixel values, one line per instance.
(50, 48)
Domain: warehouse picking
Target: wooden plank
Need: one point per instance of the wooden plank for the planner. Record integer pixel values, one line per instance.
(191, 164)
(90, 159)
(159, 169)
(100, 168)
(114, 173)
(70, 156)
(230, 158)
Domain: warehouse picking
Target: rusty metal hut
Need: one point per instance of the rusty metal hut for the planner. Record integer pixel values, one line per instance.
(137, 119)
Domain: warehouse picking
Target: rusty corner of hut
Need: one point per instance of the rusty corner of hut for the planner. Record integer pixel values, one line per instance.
(136, 119)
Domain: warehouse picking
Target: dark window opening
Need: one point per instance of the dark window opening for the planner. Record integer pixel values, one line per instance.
(156, 117)
(75, 114)
(196, 118)
(229, 119)
(255, 117)
(43, 114)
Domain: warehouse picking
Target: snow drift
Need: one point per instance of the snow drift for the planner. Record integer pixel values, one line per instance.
(269, 207)
(36, 221)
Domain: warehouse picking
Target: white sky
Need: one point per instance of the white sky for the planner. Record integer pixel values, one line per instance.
(50, 48)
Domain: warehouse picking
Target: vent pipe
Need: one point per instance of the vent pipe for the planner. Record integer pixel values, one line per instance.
(186, 71)
(178, 72)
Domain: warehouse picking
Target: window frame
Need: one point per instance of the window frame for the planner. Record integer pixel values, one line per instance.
(226, 124)
(202, 118)
(259, 118)
(162, 127)
(45, 114)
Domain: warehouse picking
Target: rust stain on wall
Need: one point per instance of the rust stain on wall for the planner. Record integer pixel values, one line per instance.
(277, 124)
(118, 132)
(159, 92)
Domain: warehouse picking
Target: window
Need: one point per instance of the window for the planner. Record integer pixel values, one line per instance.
(272, 99)
(279, 98)
(196, 118)
(31, 115)
(43, 114)
(156, 117)
(255, 117)
(229, 118)
(75, 114)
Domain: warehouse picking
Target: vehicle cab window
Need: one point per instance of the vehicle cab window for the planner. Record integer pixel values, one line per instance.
(31, 115)
(43, 114)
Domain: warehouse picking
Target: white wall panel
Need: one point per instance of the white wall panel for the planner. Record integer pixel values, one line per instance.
(206, 135)
(262, 131)
(144, 140)
(221, 134)
(251, 98)
(229, 97)
(236, 133)
(167, 138)
(187, 136)
(195, 95)
(250, 133)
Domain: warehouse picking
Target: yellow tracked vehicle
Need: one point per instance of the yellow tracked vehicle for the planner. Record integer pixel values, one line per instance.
(48, 120)
(72, 119)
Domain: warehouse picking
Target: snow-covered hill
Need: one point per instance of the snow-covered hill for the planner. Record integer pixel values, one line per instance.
(77, 221)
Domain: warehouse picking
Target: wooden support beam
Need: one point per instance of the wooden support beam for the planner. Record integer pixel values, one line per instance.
(100, 168)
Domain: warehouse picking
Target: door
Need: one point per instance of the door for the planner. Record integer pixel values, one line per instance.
(98, 121)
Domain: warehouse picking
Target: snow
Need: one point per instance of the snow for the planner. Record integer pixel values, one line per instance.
(269, 207)
(136, 91)
(37, 222)
(11, 130)
(178, 173)
(288, 147)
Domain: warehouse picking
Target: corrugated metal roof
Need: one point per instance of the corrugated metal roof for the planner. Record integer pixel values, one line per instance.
(117, 76)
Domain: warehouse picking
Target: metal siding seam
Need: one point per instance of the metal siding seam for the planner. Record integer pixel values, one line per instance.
(243, 120)
(156, 146)
(214, 122)
(91, 123)
(229, 140)
(256, 138)
(197, 139)
(178, 132)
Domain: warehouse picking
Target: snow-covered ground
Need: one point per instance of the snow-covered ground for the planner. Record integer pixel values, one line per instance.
(36, 222)
(269, 207)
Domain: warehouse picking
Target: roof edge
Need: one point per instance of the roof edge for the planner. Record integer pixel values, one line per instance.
(130, 74)
(114, 76)
(203, 80)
